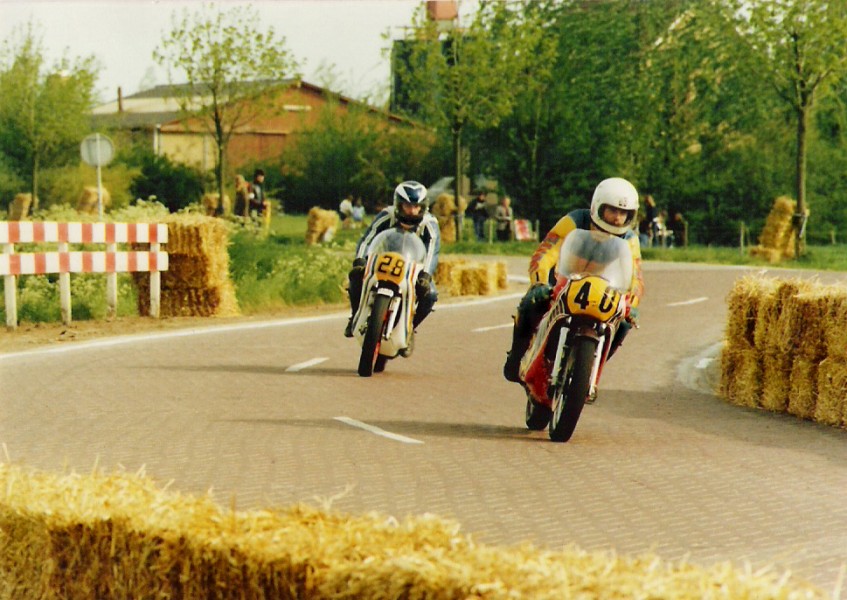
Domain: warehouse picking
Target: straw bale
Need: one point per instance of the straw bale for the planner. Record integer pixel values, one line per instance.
(777, 239)
(448, 276)
(20, 207)
(321, 225)
(211, 203)
(776, 380)
(831, 405)
(196, 235)
(219, 301)
(803, 392)
(835, 329)
(117, 536)
(445, 209)
(502, 275)
(766, 332)
(87, 202)
(741, 375)
(744, 304)
(802, 323)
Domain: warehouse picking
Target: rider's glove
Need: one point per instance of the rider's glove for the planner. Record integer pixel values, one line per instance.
(630, 312)
(423, 284)
(539, 292)
(357, 273)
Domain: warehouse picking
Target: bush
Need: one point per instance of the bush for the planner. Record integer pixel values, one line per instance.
(174, 185)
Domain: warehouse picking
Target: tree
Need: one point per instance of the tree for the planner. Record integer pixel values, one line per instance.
(799, 45)
(231, 67)
(464, 78)
(44, 108)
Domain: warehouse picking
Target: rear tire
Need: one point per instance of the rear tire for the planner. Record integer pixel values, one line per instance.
(373, 336)
(537, 415)
(379, 365)
(570, 398)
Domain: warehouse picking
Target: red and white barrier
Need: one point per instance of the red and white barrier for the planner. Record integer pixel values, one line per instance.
(65, 262)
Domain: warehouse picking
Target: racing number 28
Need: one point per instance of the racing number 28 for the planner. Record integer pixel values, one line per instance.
(391, 265)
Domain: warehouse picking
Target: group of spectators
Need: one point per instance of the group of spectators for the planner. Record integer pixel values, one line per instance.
(504, 217)
(656, 230)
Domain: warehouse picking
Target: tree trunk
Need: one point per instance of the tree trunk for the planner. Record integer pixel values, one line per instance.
(457, 171)
(802, 124)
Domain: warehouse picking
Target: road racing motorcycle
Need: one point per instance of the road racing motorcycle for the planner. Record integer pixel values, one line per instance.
(562, 365)
(383, 323)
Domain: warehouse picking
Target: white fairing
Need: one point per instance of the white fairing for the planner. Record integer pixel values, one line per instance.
(401, 311)
(596, 253)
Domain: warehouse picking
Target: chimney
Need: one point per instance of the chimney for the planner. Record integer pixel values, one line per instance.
(120, 100)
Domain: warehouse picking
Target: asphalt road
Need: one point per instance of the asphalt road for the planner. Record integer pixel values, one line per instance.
(273, 414)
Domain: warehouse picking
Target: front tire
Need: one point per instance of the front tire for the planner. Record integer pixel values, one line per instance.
(373, 336)
(570, 398)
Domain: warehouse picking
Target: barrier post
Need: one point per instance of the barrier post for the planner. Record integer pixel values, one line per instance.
(155, 285)
(65, 290)
(112, 286)
(10, 285)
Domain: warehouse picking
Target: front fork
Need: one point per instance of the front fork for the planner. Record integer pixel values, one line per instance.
(600, 332)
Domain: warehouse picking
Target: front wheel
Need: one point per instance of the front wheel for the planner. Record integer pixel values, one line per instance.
(570, 397)
(373, 336)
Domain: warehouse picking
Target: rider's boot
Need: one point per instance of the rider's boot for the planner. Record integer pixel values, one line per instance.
(520, 344)
(348, 330)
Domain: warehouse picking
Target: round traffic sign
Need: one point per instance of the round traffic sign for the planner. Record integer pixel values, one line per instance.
(97, 150)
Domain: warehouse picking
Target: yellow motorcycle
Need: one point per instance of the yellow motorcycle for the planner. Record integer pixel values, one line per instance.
(561, 368)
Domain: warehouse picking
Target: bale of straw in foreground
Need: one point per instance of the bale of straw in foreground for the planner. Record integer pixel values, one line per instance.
(741, 375)
(117, 536)
(744, 302)
(831, 404)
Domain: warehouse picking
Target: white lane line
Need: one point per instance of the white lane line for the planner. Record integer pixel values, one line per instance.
(687, 302)
(376, 430)
(306, 364)
(483, 329)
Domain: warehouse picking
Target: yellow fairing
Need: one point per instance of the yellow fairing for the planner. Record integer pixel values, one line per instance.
(390, 266)
(593, 297)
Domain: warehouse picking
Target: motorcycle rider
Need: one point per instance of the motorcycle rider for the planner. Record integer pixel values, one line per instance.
(409, 211)
(613, 209)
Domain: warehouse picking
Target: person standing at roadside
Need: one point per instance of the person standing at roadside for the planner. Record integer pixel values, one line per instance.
(257, 196)
(479, 214)
(505, 218)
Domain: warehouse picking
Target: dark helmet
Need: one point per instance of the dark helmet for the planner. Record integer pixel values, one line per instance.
(410, 193)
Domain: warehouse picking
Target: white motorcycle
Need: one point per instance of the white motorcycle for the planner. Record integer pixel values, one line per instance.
(383, 323)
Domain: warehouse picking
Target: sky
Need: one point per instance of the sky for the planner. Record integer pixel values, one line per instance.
(346, 35)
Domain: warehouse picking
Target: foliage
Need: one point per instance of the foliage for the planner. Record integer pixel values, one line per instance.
(173, 184)
(271, 273)
(44, 108)
(64, 185)
(229, 61)
(353, 153)
(466, 78)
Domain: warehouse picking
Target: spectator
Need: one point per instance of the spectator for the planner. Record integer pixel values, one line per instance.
(258, 203)
(505, 219)
(479, 214)
(357, 213)
(243, 189)
(651, 215)
(679, 227)
(345, 209)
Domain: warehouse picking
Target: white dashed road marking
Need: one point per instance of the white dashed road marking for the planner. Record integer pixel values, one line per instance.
(376, 430)
(305, 365)
(687, 302)
(482, 329)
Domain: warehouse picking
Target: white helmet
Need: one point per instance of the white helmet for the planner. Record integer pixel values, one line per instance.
(619, 193)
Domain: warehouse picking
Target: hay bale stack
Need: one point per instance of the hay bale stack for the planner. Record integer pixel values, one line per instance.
(445, 208)
(741, 375)
(777, 239)
(463, 277)
(118, 536)
(211, 204)
(197, 282)
(21, 207)
(835, 340)
(321, 225)
(87, 203)
(830, 407)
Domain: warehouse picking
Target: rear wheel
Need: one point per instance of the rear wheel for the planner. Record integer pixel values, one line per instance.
(537, 415)
(373, 336)
(379, 365)
(570, 397)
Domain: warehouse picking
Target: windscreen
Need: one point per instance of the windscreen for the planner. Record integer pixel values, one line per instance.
(596, 253)
(407, 244)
